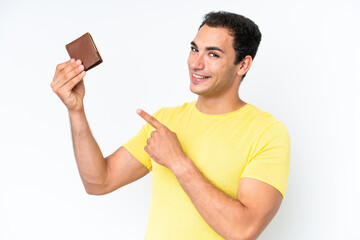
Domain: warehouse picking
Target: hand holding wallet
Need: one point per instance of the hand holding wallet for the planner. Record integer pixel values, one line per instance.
(84, 49)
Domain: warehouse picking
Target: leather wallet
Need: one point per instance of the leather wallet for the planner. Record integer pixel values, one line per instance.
(84, 49)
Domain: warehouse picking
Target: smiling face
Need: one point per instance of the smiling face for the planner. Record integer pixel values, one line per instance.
(211, 63)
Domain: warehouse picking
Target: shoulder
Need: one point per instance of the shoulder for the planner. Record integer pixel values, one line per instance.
(263, 122)
(175, 111)
(260, 117)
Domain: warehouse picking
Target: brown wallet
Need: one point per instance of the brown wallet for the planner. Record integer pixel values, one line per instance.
(84, 49)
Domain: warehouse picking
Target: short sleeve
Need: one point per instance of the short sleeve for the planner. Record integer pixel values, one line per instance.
(137, 144)
(271, 159)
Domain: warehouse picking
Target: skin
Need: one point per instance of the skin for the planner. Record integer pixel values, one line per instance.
(212, 56)
(219, 93)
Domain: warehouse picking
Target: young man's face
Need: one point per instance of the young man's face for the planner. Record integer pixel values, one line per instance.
(211, 62)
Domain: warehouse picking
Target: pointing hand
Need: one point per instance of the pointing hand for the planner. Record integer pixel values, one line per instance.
(163, 146)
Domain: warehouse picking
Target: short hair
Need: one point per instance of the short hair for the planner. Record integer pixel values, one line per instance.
(246, 33)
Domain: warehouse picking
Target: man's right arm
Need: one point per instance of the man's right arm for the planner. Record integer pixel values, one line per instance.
(99, 175)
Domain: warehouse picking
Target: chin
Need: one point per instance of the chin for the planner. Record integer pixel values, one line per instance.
(197, 91)
(201, 88)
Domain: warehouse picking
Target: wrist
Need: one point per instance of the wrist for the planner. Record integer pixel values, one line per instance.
(181, 166)
(77, 117)
(76, 112)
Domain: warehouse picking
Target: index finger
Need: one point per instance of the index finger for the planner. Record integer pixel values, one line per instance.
(150, 119)
(61, 66)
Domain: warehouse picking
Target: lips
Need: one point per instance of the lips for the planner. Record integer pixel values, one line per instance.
(197, 78)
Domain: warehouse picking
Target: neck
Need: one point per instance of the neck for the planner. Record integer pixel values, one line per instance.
(218, 105)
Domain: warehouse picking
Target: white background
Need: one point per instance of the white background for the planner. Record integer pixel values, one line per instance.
(306, 73)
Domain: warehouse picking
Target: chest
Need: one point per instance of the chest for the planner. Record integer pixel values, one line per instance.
(220, 151)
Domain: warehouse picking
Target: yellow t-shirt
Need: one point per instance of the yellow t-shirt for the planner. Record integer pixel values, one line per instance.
(245, 143)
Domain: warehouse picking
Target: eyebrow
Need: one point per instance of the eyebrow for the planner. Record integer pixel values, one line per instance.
(208, 48)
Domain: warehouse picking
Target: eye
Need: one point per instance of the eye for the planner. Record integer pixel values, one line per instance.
(193, 49)
(212, 54)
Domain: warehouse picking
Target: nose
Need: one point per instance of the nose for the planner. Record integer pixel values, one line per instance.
(196, 61)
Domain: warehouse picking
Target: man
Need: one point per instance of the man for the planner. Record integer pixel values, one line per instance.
(220, 165)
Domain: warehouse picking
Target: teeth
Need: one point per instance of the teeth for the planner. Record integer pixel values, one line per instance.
(197, 76)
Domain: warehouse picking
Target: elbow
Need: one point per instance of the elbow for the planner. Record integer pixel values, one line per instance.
(94, 185)
(245, 234)
(92, 192)
(249, 234)
(95, 189)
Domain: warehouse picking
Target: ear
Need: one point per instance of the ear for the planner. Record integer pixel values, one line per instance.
(244, 65)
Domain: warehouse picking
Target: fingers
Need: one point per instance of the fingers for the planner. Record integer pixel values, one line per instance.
(72, 65)
(71, 70)
(73, 82)
(150, 119)
(152, 135)
(74, 76)
(61, 66)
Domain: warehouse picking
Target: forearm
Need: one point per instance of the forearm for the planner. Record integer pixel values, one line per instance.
(89, 159)
(227, 216)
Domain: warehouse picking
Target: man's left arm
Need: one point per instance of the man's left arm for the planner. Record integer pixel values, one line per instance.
(242, 218)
